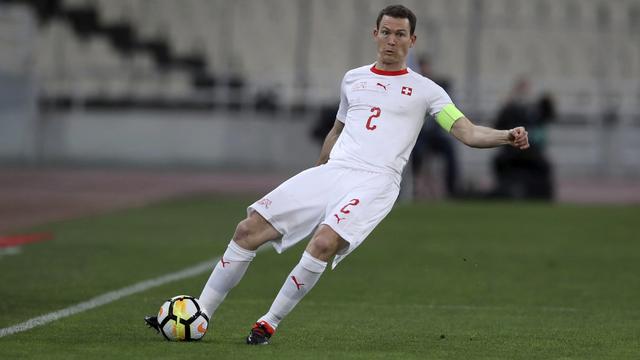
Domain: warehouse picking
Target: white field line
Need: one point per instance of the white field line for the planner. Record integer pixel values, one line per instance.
(12, 250)
(110, 297)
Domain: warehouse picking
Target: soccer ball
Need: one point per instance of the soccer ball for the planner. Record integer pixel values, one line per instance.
(181, 319)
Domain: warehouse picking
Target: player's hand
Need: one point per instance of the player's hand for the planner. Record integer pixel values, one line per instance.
(519, 138)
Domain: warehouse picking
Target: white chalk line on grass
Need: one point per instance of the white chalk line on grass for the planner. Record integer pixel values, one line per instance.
(8, 251)
(109, 297)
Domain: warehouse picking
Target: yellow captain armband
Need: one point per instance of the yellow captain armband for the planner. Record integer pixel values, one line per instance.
(447, 116)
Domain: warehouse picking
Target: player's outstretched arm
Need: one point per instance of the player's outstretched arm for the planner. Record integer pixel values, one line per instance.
(329, 141)
(484, 137)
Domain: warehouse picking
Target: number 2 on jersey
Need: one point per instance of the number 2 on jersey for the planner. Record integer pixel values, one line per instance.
(376, 114)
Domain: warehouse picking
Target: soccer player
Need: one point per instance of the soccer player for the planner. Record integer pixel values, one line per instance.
(357, 177)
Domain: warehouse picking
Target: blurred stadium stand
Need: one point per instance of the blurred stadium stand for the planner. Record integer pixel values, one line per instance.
(173, 53)
(218, 61)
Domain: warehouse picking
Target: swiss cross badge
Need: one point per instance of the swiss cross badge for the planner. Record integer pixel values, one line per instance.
(406, 90)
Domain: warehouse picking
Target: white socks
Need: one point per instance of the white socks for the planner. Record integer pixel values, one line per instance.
(225, 276)
(234, 264)
(299, 282)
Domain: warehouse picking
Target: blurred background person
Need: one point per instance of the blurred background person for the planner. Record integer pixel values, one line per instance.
(524, 175)
(433, 141)
(324, 122)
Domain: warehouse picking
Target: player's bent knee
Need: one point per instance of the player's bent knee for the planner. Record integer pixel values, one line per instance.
(253, 232)
(243, 231)
(325, 244)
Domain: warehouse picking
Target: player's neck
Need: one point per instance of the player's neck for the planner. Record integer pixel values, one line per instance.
(390, 66)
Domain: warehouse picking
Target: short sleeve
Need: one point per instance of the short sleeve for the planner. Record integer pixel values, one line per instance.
(438, 100)
(344, 104)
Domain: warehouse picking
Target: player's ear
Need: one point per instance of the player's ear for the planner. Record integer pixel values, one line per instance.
(413, 40)
(375, 33)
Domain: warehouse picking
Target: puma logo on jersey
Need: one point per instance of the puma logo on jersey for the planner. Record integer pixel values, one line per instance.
(382, 86)
(224, 263)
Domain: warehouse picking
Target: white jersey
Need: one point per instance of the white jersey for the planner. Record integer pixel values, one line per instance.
(383, 112)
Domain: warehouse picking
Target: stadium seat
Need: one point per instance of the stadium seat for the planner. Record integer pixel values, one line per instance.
(559, 43)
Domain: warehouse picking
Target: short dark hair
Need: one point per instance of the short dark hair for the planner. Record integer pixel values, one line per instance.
(398, 12)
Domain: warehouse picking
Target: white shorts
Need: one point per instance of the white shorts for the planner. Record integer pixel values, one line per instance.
(352, 202)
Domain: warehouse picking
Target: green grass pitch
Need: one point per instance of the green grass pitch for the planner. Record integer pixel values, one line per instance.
(434, 281)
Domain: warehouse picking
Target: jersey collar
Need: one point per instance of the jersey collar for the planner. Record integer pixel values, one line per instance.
(388, 73)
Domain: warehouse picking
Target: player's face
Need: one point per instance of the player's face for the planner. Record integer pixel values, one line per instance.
(394, 40)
